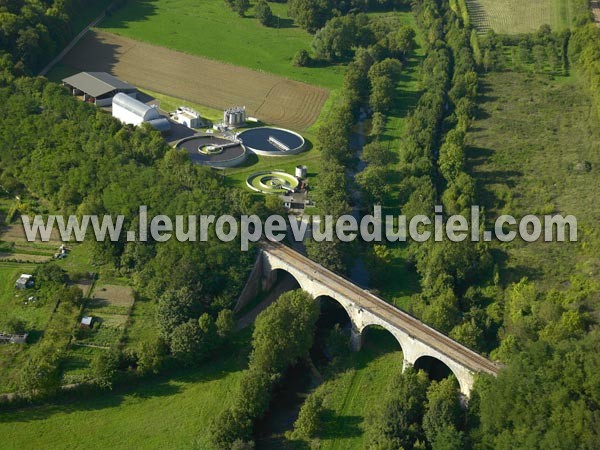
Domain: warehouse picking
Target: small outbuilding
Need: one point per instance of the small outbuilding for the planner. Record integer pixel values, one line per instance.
(187, 117)
(25, 281)
(6, 338)
(87, 322)
(98, 87)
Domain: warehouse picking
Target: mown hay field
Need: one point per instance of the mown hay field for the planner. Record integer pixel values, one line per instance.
(518, 16)
(215, 84)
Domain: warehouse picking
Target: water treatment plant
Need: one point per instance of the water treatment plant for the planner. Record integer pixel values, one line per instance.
(271, 141)
(213, 151)
(272, 182)
(229, 150)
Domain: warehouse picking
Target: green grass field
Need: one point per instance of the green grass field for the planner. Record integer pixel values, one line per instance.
(518, 16)
(212, 30)
(536, 150)
(169, 412)
(349, 396)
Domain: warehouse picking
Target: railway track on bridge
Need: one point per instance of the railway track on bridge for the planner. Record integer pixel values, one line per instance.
(382, 309)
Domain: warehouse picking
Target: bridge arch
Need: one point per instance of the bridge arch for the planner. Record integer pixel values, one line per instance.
(375, 331)
(307, 284)
(439, 368)
(365, 326)
(436, 369)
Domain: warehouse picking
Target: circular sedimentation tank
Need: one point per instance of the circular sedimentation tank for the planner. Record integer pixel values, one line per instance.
(272, 182)
(213, 151)
(272, 141)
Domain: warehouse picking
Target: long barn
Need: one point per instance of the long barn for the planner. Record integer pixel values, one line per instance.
(98, 87)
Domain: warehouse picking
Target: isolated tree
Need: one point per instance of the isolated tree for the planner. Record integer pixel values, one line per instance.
(309, 421)
(50, 272)
(255, 392)
(240, 444)
(40, 378)
(443, 408)
(225, 324)
(72, 295)
(374, 183)
(186, 343)
(389, 67)
(302, 59)
(330, 254)
(310, 14)
(208, 331)
(382, 94)
(452, 161)
(448, 438)
(403, 41)
(174, 308)
(378, 122)
(283, 333)
(264, 13)
(338, 341)
(396, 421)
(230, 426)
(469, 334)
(378, 154)
(104, 368)
(241, 7)
(151, 356)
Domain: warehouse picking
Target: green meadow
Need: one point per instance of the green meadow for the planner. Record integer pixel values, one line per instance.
(172, 411)
(211, 29)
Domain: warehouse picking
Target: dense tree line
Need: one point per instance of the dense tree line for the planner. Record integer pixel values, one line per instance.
(32, 31)
(369, 80)
(547, 397)
(342, 36)
(312, 15)
(417, 414)
(283, 334)
(431, 160)
(584, 52)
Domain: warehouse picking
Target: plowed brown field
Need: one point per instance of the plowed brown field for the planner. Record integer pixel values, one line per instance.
(270, 98)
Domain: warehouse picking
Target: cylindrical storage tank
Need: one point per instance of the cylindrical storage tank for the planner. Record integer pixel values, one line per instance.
(301, 172)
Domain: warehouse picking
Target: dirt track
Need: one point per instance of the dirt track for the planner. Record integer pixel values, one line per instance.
(270, 98)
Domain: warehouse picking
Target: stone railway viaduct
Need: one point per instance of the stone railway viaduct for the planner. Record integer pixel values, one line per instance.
(416, 339)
